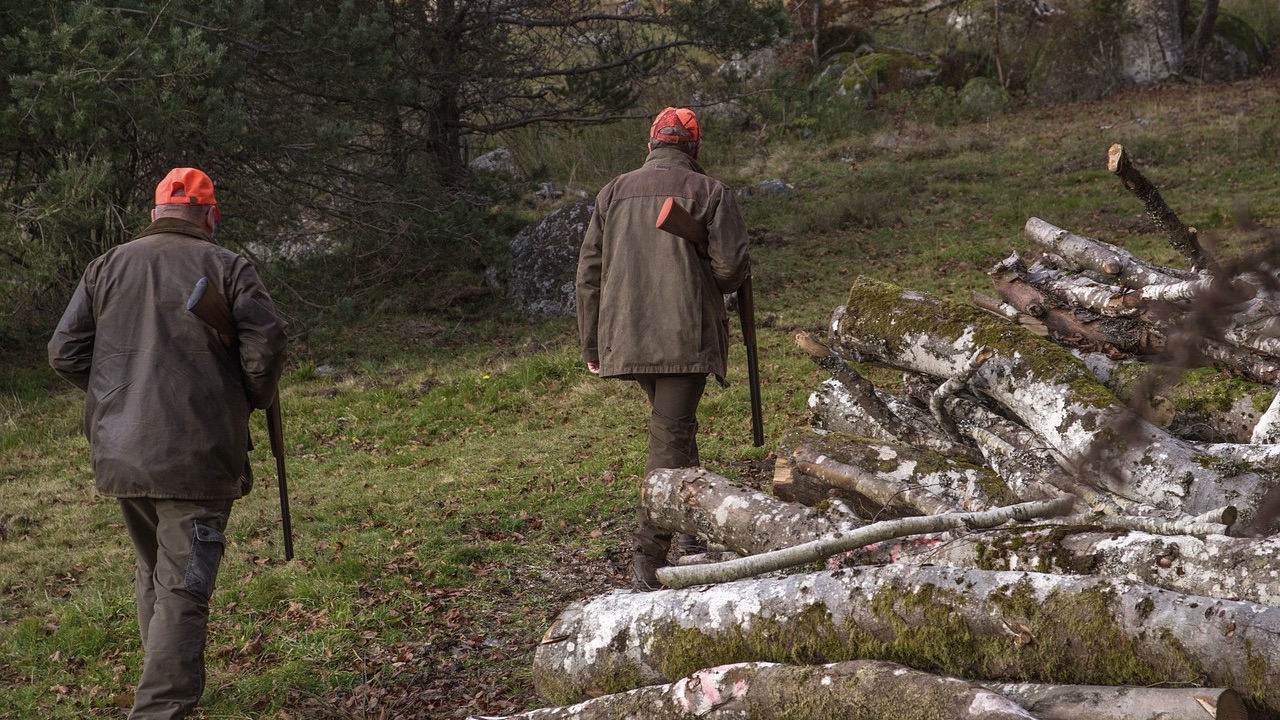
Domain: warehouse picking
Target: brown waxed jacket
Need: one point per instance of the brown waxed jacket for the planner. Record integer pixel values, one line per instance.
(167, 405)
(648, 301)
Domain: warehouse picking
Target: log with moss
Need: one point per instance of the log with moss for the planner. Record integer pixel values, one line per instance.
(1050, 392)
(1214, 566)
(966, 623)
(1205, 404)
(698, 502)
(854, 690)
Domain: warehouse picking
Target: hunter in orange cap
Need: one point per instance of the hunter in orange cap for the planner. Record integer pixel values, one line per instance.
(166, 413)
(651, 304)
(187, 193)
(676, 126)
(185, 186)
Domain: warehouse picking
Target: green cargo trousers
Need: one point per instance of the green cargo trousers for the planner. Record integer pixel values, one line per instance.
(673, 443)
(179, 546)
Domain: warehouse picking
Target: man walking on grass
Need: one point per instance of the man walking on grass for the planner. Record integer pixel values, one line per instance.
(166, 415)
(651, 306)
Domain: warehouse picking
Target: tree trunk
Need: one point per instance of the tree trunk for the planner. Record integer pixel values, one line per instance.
(1214, 566)
(1096, 702)
(871, 412)
(697, 502)
(966, 623)
(1050, 391)
(883, 475)
(1100, 257)
(1151, 41)
(857, 690)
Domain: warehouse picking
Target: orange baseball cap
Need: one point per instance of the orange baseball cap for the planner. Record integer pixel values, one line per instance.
(676, 125)
(185, 186)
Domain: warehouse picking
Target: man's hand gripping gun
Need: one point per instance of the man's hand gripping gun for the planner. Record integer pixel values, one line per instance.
(676, 220)
(208, 304)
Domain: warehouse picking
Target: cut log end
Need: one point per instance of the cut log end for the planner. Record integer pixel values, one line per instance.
(1116, 158)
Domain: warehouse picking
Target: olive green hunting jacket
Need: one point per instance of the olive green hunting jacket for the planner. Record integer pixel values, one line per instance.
(167, 405)
(650, 302)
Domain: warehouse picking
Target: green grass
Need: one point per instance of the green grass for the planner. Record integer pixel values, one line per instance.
(457, 477)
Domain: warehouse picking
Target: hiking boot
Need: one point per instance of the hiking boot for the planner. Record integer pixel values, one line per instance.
(644, 570)
(690, 545)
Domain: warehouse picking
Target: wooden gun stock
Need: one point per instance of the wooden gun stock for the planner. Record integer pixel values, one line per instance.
(676, 220)
(208, 304)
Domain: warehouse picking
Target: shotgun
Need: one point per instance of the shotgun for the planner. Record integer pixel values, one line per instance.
(208, 304)
(676, 220)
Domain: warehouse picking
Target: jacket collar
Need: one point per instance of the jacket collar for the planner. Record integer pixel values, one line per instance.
(673, 157)
(176, 225)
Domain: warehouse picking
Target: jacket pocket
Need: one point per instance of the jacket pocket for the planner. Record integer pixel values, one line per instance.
(207, 546)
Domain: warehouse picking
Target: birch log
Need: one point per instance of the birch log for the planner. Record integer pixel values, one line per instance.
(1103, 258)
(1181, 238)
(1208, 405)
(1096, 702)
(1049, 390)
(1213, 566)
(929, 490)
(695, 501)
(871, 412)
(856, 690)
(966, 623)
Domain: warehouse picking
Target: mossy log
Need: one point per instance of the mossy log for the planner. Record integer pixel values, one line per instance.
(1207, 404)
(1096, 702)
(1050, 391)
(881, 474)
(855, 690)
(695, 501)
(1215, 566)
(852, 404)
(965, 623)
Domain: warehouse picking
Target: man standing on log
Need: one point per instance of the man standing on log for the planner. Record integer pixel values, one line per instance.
(167, 416)
(651, 306)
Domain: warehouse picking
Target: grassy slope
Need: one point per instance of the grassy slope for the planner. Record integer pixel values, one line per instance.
(456, 482)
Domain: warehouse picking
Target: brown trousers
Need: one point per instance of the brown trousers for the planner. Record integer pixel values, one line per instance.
(179, 546)
(673, 443)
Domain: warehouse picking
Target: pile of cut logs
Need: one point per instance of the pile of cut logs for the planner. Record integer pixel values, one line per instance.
(1066, 511)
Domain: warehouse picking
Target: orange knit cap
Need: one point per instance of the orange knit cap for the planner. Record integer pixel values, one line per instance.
(676, 125)
(185, 186)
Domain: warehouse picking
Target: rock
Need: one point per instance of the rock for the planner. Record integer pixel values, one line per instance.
(544, 263)
(753, 65)
(773, 187)
(496, 162)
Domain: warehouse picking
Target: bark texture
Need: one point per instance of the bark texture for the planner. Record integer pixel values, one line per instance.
(967, 623)
(855, 690)
(1049, 390)
(1213, 566)
(697, 502)
(1073, 702)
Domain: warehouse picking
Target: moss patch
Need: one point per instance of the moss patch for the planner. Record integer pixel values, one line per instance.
(880, 307)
